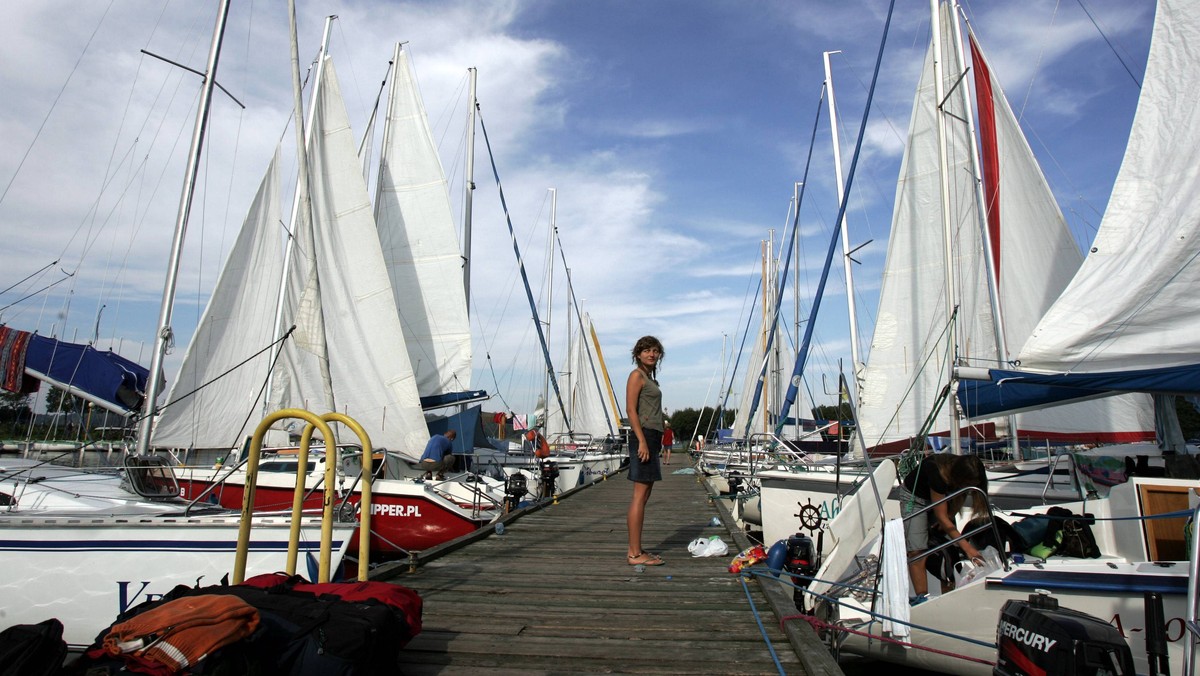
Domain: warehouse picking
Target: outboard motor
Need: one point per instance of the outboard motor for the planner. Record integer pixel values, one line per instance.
(549, 474)
(514, 490)
(735, 484)
(801, 558)
(1036, 637)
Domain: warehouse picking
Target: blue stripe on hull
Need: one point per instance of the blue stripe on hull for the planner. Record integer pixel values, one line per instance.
(1123, 583)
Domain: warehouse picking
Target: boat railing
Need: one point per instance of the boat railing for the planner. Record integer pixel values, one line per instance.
(325, 558)
(570, 442)
(1191, 620)
(991, 525)
(1074, 473)
(778, 447)
(475, 487)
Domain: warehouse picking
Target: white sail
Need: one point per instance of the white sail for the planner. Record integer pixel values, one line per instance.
(237, 323)
(351, 297)
(420, 246)
(588, 406)
(743, 423)
(1132, 304)
(907, 364)
(1035, 258)
(1032, 254)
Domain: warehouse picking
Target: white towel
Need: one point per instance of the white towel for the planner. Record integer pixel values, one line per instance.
(894, 583)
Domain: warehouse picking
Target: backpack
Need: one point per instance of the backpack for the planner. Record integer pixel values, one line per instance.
(1067, 534)
(32, 649)
(331, 629)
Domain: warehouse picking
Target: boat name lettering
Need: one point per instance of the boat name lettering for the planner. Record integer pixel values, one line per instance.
(829, 509)
(125, 601)
(396, 510)
(1173, 629)
(1029, 638)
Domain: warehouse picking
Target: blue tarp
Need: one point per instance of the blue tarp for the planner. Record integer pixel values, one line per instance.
(105, 378)
(1009, 391)
(468, 425)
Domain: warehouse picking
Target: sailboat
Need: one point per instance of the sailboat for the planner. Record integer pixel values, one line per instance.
(352, 350)
(595, 418)
(84, 547)
(1007, 241)
(1152, 200)
(1009, 255)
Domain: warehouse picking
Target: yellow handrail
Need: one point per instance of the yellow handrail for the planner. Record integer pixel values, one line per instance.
(325, 562)
(364, 526)
(243, 545)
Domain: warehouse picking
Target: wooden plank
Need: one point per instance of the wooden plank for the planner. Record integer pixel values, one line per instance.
(555, 594)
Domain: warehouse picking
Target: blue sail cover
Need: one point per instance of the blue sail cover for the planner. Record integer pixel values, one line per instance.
(452, 398)
(1012, 391)
(104, 378)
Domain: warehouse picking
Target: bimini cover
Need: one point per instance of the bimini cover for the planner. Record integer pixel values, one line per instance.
(104, 378)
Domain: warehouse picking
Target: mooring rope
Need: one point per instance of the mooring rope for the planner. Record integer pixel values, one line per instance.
(761, 627)
(821, 624)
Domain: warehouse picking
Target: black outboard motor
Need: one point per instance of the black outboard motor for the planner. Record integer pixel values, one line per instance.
(549, 474)
(514, 490)
(1036, 638)
(803, 559)
(735, 484)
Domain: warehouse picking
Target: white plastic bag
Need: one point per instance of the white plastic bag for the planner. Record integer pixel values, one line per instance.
(712, 546)
(716, 547)
(966, 572)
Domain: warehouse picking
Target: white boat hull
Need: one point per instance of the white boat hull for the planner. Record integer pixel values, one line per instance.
(85, 570)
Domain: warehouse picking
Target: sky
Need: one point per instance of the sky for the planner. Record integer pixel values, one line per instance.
(673, 133)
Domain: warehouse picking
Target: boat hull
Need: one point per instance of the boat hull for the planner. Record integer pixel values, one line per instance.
(85, 570)
(405, 515)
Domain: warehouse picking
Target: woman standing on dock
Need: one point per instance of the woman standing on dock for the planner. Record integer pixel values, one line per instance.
(643, 401)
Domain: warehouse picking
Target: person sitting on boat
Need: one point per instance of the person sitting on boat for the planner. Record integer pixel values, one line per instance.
(936, 477)
(439, 455)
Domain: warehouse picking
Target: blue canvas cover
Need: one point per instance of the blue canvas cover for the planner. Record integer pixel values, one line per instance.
(1010, 391)
(104, 378)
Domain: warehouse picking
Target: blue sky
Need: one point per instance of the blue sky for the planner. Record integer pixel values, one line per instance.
(672, 131)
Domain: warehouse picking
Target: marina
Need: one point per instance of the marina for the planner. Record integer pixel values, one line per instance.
(1003, 482)
(553, 594)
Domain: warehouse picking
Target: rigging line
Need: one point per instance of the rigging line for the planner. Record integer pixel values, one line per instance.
(54, 104)
(781, 285)
(69, 275)
(802, 355)
(30, 276)
(761, 628)
(524, 276)
(1110, 44)
(231, 369)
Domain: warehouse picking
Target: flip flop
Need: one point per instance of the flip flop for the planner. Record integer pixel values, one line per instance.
(644, 559)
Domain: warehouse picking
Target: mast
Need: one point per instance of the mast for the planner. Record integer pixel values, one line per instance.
(549, 317)
(304, 132)
(469, 189)
(989, 255)
(841, 192)
(165, 337)
(799, 427)
(947, 225)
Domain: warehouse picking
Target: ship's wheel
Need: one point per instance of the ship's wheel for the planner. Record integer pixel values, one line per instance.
(810, 516)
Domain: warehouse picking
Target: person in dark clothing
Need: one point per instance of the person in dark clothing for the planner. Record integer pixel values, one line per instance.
(936, 477)
(439, 455)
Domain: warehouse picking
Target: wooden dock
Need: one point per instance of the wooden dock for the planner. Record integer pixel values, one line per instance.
(554, 594)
